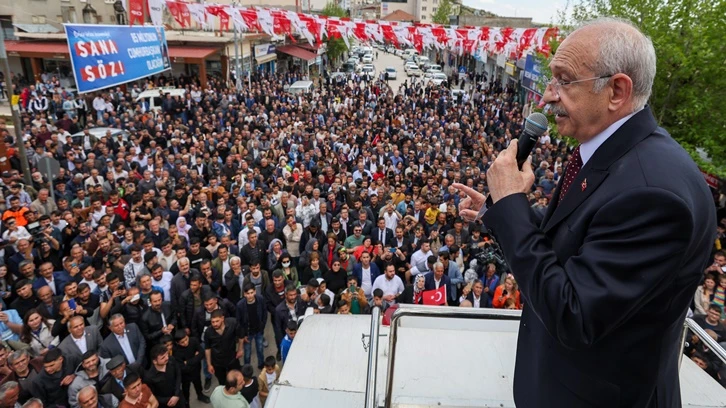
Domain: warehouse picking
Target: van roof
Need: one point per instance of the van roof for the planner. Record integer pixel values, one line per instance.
(161, 91)
(301, 84)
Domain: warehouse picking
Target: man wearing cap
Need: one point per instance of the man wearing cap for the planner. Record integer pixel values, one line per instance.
(76, 184)
(51, 384)
(112, 381)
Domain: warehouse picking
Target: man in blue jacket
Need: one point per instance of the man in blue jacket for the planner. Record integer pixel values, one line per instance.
(366, 273)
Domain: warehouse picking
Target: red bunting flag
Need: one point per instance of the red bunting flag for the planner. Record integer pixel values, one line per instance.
(136, 12)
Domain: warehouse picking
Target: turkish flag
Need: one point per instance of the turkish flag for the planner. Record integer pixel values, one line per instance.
(435, 297)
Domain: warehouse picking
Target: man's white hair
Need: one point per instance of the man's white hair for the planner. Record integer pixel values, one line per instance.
(624, 49)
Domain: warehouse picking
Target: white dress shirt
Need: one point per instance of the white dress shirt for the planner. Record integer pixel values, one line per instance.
(123, 341)
(81, 343)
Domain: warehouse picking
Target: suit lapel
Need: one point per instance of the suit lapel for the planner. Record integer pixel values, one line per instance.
(595, 170)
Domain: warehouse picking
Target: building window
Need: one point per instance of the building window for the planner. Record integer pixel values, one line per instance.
(436, 1)
(68, 14)
(423, 8)
(423, 17)
(434, 9)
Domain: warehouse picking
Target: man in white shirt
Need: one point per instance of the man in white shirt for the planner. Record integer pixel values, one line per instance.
(419, 260)
(390, 284)
(99, 105)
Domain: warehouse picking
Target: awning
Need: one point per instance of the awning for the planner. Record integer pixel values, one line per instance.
(191, 52)
(266, 58)
(36, 47)
(297, 52)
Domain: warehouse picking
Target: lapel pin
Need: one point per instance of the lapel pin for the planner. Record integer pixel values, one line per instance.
(584, 184)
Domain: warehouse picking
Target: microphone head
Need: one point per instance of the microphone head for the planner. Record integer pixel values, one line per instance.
(535, 124)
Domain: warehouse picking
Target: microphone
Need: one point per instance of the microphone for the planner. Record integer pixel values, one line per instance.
(534, 126)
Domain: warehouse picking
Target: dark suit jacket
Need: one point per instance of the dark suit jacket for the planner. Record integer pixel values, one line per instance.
(110, 346)
(243, 317)
(375, 236)
(61, 279)
(151, 323)
(70, 350)
(609, 273)
(430, 283)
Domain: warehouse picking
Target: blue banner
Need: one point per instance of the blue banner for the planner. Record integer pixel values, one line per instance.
(532, 79)
(108, 55)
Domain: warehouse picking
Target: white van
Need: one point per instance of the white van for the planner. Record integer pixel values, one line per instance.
(408, 53)
(155, 96)
(301, 87)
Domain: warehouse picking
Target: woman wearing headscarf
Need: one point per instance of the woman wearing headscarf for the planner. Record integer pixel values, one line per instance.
(413, 294)
(183, 227)
(274, 252)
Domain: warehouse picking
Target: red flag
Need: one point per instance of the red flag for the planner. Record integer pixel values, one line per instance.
(136, 12)
(435, 297)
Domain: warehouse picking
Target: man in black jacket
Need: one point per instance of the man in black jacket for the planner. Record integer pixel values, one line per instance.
(189, 353)
(158, 319)
(252, 249)
(291, 309)
(51, 384)
(190, 297)
(252, 318)
(203, 314)
(274, 295)
(164, 378)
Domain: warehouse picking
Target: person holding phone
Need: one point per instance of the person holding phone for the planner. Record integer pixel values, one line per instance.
(507, 290)
(354, 296)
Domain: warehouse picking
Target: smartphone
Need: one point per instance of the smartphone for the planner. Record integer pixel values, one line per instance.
(135, 297)
(504, 292)
(393, 250)
(352, 288)
(72, 304)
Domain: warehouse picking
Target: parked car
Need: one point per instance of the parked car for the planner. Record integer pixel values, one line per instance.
(438, 78)
(433, 68)
(414, 72)
(391, 72)
(367, 59)
(421, 61)
(368, 69)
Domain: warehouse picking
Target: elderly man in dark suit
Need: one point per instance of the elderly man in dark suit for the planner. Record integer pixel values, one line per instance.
(81, 338)
(607, 276)
(124, 340)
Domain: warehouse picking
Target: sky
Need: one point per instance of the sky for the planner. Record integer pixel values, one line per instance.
(540, 11)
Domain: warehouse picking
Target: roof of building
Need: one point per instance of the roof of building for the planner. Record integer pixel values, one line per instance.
(399, 15)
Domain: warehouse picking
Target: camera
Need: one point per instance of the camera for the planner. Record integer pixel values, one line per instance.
(491, 253)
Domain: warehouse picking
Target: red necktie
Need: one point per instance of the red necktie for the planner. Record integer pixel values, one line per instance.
(571, 173)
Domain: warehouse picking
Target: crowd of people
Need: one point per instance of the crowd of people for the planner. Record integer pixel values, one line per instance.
(157, 257)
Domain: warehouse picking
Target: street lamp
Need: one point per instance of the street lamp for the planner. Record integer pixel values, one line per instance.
(89, 14)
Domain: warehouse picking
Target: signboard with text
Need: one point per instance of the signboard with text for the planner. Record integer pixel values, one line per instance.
(103, 56)
(532, 78)
(264, 49)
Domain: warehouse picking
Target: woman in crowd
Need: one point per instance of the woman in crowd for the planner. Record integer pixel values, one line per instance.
(288, 271)
(37, 333)
(704, 294)
(507, 290)
(413, 294)
(274, 254)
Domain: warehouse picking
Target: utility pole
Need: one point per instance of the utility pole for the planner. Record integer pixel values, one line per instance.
(19, 144)
(238, 80)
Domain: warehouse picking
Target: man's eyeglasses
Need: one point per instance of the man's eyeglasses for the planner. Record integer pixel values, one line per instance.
(557, 84)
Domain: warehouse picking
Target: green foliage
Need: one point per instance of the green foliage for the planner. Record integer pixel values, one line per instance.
(335, 46)
(690, 85)
(443, 12)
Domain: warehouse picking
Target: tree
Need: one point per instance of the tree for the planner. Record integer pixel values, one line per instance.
(335, 47)
(689, 86)
(443, 12)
